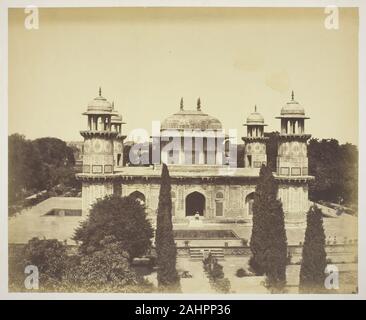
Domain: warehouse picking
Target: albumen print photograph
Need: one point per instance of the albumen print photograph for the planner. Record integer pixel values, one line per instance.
(204, 150)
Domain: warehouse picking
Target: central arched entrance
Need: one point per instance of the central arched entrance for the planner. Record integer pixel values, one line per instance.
(195, 204)
(139, 196)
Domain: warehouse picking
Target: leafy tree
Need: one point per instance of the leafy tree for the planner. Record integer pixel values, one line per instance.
(57, 161)
(25, 168)
(335, 168)
(268, 240)
(349, 173)
(123, 218)
(106, 269)
(314, 259)
(55, 152)
(324, 165)
(164, 240)
(38, 165)
(49, 256)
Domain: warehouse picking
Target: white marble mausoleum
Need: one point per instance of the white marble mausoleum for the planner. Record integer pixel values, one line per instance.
(204, 182)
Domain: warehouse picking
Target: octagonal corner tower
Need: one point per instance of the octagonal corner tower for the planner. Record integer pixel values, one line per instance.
(116, 126)
(98, 155)
(255, 154)
(292, 162)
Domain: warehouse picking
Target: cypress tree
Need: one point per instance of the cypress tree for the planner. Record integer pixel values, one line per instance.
(168, 278)
(277, 255)
(314, 258)
(268, 241)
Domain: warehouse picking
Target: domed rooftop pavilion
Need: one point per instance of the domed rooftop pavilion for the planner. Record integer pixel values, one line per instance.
(99, 113)
(99, 105)
(255, 126)
(116, 117)
(191, 119)
(292, 109)
(293, 118)
(255, 118)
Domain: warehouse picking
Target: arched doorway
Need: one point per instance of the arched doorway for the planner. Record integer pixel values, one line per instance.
(249, 203)
(139, 196)
(195, 204)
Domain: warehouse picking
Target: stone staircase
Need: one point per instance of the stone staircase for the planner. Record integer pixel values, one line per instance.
(198, 253)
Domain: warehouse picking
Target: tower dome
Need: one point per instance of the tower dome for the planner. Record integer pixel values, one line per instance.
(292, 109)
(191, 119)
(99, 105)
(255, 118)
(116, 117)
(255, 142)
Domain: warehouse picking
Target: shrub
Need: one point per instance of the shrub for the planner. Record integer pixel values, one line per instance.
(106, 269)
(124, 219)
(215, 274)
(240, 273)
(49, 256)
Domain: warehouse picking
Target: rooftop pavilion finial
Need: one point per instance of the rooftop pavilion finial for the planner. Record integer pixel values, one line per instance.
(181, 104)
(255, 108)
(199, 104)
(100, 91)
(293, 96)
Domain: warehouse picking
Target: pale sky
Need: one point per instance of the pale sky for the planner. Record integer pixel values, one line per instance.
(147, 59)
